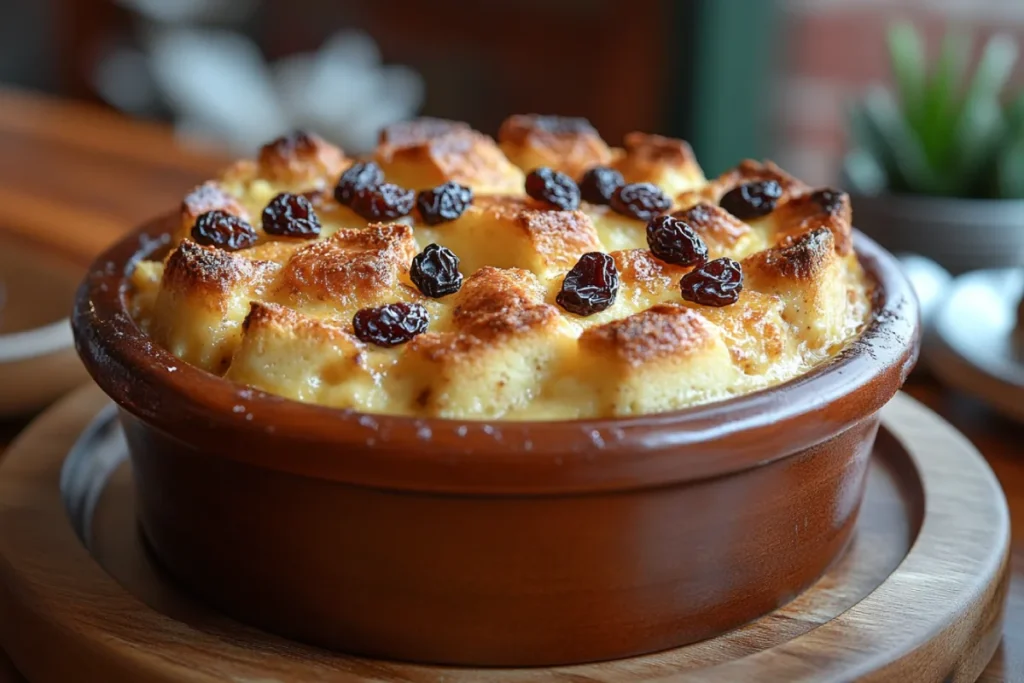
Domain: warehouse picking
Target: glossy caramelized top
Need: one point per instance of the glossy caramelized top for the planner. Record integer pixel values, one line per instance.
(279, 315)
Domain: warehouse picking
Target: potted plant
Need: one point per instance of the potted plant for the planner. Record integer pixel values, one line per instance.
(938, 168)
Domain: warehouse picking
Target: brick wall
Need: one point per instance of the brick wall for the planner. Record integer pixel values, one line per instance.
(833, 49)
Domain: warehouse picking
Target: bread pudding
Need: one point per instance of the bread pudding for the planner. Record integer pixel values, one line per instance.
(545, 275)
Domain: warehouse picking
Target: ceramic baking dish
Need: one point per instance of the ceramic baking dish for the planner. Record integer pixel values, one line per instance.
(493, 543)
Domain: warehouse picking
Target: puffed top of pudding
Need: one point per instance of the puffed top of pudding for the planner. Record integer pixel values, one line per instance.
(543, 275)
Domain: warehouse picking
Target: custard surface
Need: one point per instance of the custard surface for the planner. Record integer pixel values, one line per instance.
(278, 316)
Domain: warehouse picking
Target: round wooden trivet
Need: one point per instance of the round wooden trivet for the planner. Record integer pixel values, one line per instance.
(917, 597)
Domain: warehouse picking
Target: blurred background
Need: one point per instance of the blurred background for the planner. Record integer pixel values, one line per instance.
(735, 77)
(916, 107)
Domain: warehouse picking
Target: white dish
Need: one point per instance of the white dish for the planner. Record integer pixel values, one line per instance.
(971, 343)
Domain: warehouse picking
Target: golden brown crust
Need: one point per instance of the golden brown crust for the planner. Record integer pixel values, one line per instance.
(661, 331)
(302, 358)
(278, 315)
(720, 230)
(747, 171)
(300, 157)
(797, 257)
(829, 209)
(207, 272)
(666, 162)
(425, 153)
(204, 294)
(559, 237)
(350, 267)
(495, 302)
(515, 231)
(271, 317)
(569, 145)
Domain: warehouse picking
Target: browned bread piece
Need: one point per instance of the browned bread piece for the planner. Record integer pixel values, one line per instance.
(505, 231)
(425, 153)
(300, 158)
(503, 346)
(203, 297)
(747, 171)
(669, 163)
(307, 359)
(566, 144)
(279, 315)
(652, 358)
(351, 269)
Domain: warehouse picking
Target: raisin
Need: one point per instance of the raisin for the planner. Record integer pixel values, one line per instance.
(383, 202)
(391, 324)
(828, 199)
(716, 283)
(674, 241)
(642, 201)
(555, 188)
(435, 271)
(290, 215)
(752, 200)
(591, 285)
(221, 229)
(599, 184)
(358, 176)
(444, 203)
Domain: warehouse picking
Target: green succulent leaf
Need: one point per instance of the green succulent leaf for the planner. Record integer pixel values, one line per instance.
(980, 128)
(906, 54)
(940, 106)
(906, 161)
(946, 131)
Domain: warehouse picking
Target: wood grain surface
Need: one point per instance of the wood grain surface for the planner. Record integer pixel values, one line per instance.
(931, 615)
(76, 177)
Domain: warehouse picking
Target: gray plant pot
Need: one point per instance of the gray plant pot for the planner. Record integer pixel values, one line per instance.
(958, 234)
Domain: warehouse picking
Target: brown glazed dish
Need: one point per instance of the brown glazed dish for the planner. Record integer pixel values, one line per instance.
(493, 543)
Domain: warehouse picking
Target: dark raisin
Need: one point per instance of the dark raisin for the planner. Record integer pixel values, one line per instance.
(752, 200)
(358, 176)
(828, 199)
(221, 229)
(591, 285)
(716, 283)
(290, 215)
(642, 201)
(599, 184)
(444, 203)
(383, 202)
(555, 188)
(435, 271)
(674, 241)
(391, 324)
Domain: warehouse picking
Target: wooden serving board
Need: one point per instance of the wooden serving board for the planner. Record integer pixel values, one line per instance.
(917, 597)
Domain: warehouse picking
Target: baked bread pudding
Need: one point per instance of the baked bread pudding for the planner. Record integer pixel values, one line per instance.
(544, 275)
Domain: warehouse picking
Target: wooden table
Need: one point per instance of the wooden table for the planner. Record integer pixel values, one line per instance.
(97, 174)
